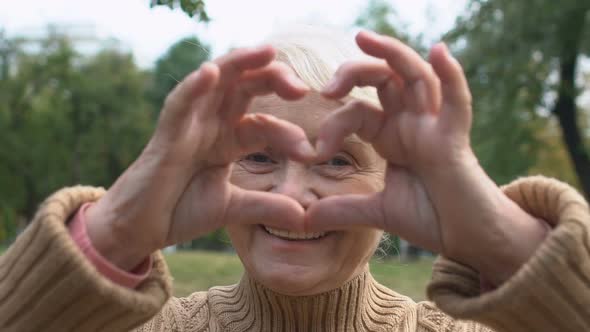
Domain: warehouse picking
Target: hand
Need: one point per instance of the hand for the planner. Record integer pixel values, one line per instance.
(436, 194)
(178, 188)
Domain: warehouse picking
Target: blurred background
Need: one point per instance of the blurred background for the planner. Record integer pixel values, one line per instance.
(82, 82)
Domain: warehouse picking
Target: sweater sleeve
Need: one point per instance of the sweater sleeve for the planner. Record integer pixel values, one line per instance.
(46, 282)
(129, 279)
(550, 292)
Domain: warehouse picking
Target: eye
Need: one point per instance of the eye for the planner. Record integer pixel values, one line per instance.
(258, 163)
(341, 165)
(339, 161)
(259, 157)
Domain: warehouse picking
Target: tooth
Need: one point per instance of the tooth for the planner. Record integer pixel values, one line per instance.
(294, 235)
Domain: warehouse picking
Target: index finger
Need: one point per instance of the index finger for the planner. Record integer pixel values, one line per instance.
(412, 69)
(233, 64)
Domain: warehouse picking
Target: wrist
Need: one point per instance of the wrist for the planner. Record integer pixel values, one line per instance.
(112, 240)
(521, 238)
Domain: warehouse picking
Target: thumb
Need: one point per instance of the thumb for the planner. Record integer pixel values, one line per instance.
(259, 207)
(344, 212)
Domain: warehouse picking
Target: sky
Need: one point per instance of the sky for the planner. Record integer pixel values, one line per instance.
(148, 32)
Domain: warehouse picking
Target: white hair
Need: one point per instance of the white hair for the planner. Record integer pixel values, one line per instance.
(315, 53)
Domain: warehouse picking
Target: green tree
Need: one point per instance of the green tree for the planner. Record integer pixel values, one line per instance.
(381, 17)
(111, 120)
(183, 57)
(191, 7)
(522, 60)
(34, 85)
(66, 118)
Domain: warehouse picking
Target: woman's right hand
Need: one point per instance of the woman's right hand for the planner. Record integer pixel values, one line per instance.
(178, 189)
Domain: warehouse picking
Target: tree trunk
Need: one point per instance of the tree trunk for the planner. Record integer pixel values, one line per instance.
(565, 108)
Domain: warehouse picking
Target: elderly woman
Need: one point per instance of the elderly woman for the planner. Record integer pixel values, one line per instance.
(305, 178)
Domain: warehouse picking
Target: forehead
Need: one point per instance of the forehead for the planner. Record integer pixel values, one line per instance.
(307, 112)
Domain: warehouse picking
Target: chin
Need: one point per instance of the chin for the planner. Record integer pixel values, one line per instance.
(291, 279)
(300, 264)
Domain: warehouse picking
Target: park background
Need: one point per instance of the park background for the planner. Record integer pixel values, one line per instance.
(82, 82)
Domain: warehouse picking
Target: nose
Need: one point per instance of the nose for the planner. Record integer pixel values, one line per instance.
(295, 184)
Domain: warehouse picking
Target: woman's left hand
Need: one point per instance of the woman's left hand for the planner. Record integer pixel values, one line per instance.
(436, 194)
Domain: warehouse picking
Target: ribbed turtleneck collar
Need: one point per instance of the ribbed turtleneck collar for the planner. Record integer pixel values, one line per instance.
(361, 304)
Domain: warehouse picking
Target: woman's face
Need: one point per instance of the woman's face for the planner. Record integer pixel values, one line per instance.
(306, 266)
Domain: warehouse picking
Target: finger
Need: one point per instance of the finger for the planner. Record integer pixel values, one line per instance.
(376, 74)
(345, 212)
(456, 110)
(415, 72)
(258, 131)
(275, 78)
(232, 65)
(198, 83)
(259, 207)
(355, 117)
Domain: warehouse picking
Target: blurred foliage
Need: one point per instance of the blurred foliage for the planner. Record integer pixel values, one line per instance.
(68, 117)
(191, 7)
(381, 17)
(65, 119)
(522, 61)
(182, 58)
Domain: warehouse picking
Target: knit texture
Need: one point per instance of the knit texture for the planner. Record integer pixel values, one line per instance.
(362, 304)
(551, 292)
(46, 284)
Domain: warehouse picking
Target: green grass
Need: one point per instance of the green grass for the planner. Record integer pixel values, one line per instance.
(200, 270)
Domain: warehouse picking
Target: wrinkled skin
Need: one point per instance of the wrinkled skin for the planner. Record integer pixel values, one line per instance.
(425, 183)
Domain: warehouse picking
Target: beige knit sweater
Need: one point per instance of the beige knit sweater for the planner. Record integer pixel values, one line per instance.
(46, 284)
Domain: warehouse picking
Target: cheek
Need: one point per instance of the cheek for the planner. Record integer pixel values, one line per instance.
(241, 237)
(250, 181)
(361, 245)
(365, 183)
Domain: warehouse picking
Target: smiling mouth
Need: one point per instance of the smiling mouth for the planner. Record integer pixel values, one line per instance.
(294, 236)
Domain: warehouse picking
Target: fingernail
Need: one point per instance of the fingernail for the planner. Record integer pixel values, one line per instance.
(305, 149)
(421, 95)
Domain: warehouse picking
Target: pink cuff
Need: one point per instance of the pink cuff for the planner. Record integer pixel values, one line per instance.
(129, 279)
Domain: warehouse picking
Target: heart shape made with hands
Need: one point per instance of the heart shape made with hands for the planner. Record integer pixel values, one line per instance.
(421, 130)
(435, 193)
